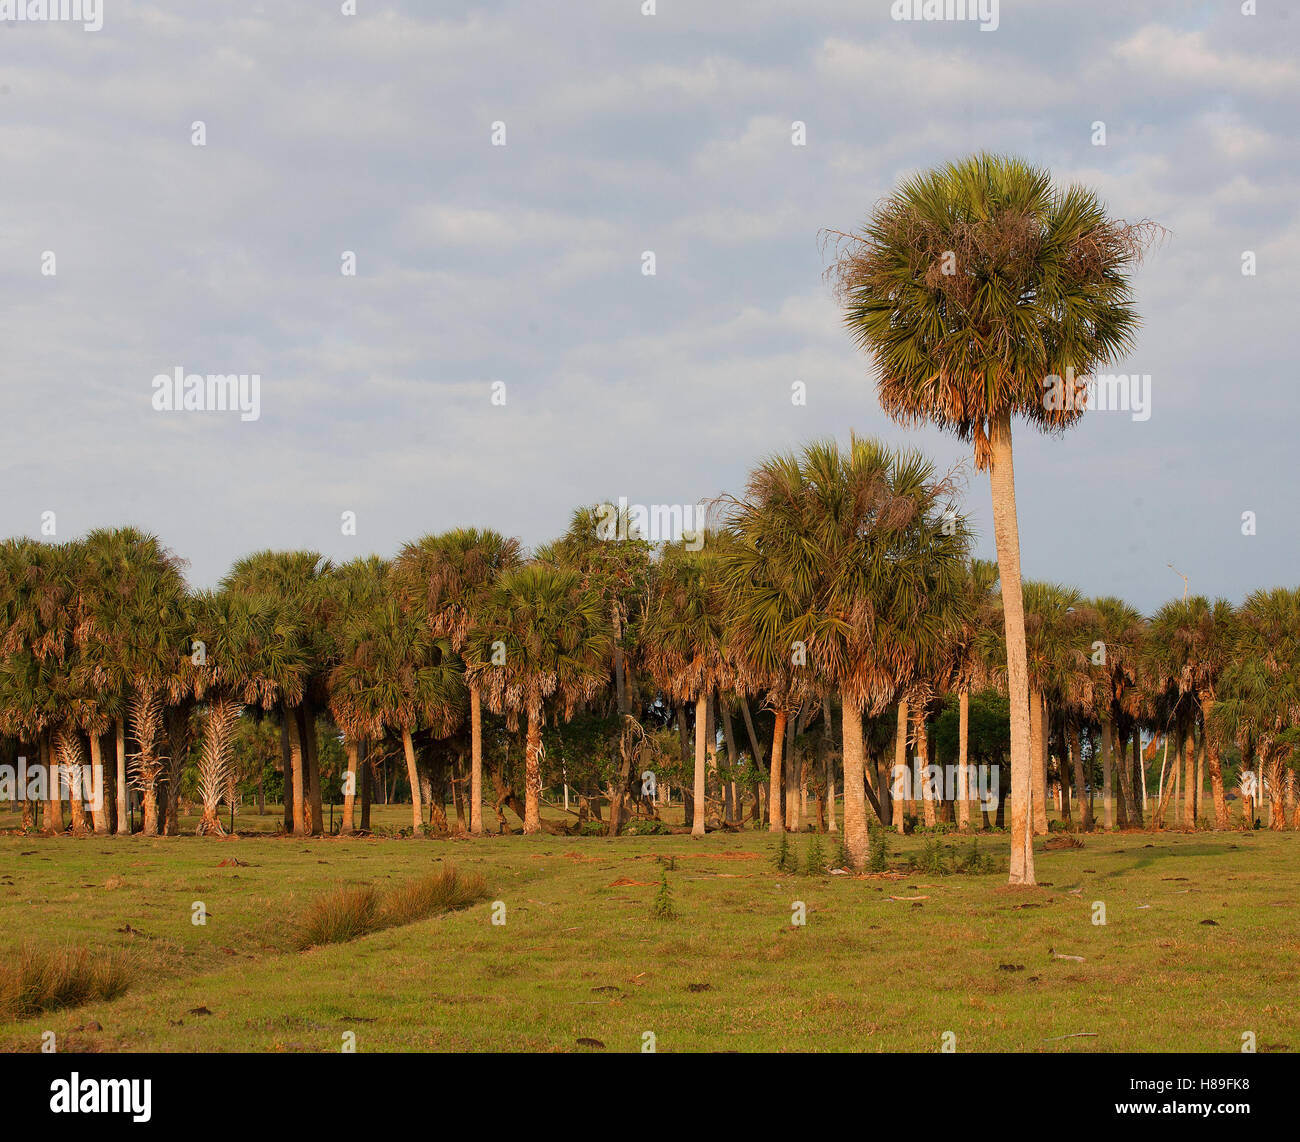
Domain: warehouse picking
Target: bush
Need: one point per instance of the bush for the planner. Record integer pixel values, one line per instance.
(932, 860)
(785, 859)
(814, 858)
(47, 979)
(877, 851)
(663, 909)
(593, 829)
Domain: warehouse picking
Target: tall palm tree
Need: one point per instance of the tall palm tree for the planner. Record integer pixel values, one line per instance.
(1190, 645)
(542, 640)
(254, 655)
(302, 579)
(969, 286)
(355, 587)
(685, 641)
(873, 555)
(396, 675)
(1258, 693)
(448, 575)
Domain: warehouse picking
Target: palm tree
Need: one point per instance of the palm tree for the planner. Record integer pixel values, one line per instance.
(355, 587)
(254, 655)
(1191, 643)
(969, 667)
(447, 575)
(396, 675)
(970, 286)
(685, 641)
(301, 579)
(540, 639)
(1258, 693)
(864, 560)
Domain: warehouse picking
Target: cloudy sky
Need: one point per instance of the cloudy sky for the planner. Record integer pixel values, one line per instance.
(479, 264)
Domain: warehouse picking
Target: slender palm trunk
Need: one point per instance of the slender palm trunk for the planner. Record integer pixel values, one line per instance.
(793, 820)
(311, 757)
(1006, 532)
(729, 739)
(98, 806)
(121, 791)
(902, 771)
(350, 787)
(923, 759)
(828, 739)
(296, 768)
(475, 762)
(53, 822)
(1107, 817)
(855, 796)
(286, 767)
(413, 776)
(775, 822)
(1080, 792)
(1189, 775)
(1216, 769)
(1171, 777)
(963, 760)
(533, 774)
(1137, 782)
(701, 760)
(367, 783)
(1124, 791)
(1041, 729)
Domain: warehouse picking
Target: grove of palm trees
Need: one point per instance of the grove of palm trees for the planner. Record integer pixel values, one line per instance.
(382, 718)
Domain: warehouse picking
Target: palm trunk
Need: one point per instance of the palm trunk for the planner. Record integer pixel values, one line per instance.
(729, 739)
(1170, 777)
(72, 769)
(121, 791)
(775, 822)
(754, 747)
(855, 797)
(286, 767)
(1040, 729)
(367, 783)
(963, 760)
(98, 806)
(1137, 783)
(828, 739)
(350, 787)
(1006, 532)
(475, 762)
(1080, 794)
(1124, 792)
(902, 771)
(793, 821)
(1216, 769)
(296, 767)
(1107, 817)
(701, 758)
(53, 822)
(620, 675)
(311, 754)
(533, 774)
(1189, 775)
(1200, 778)
(413, 775)
(923, 757)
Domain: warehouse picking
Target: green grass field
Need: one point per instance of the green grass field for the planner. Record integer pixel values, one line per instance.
(579, 958)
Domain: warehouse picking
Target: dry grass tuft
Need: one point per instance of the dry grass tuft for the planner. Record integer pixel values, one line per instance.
(48, 979)
(348, 913)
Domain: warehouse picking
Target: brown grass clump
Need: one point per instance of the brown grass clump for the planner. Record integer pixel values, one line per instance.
(48, 979)
(348, 913)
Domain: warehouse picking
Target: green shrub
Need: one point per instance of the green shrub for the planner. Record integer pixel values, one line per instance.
(814, 858)
(663, 909)
(877, 851)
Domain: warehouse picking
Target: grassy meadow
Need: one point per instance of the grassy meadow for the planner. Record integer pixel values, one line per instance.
(1200, 945)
